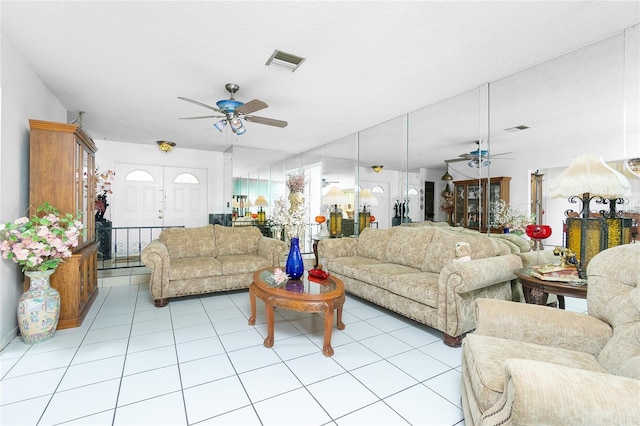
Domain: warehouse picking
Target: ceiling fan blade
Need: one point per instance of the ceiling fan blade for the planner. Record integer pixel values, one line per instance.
(202, 116)
(502, 153)
(267, 121)
(199, 103)
(455, 160)
(251, 106)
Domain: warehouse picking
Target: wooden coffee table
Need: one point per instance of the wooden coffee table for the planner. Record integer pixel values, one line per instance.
(537, 291)
(302, 295)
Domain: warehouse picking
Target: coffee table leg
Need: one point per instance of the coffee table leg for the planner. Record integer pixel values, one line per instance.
(268, 310)
(252, 299)
(327, 350)
(339, 322)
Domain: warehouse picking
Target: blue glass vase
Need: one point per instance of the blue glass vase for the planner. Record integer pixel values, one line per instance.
(295, 265)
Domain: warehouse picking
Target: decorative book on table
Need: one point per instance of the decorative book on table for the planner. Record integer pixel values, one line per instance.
(555, 273)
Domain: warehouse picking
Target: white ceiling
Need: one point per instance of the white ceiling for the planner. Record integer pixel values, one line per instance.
(125, 63)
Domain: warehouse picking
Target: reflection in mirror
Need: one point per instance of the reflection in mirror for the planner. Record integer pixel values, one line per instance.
(583, 102)
(549, 113)
(385, 145)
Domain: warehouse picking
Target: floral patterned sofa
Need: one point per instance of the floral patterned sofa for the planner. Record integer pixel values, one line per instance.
(188, 261)
(415, 271)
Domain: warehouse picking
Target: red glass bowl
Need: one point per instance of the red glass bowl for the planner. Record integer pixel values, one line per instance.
(538, 232)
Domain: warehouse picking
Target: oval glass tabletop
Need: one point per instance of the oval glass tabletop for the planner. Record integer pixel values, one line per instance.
(306, 284)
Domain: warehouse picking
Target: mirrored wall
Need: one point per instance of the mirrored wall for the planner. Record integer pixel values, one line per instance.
(534, 121)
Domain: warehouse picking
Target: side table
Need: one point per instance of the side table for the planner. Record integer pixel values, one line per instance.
(314, 246)
(537, 291)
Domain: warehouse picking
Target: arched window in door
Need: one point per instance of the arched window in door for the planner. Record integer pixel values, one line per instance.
(377, 189)
(139, 176)
(186, 178)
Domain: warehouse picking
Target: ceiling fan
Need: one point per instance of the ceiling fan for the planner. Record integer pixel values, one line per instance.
(233, 112)
(478, 157)
(326, 182)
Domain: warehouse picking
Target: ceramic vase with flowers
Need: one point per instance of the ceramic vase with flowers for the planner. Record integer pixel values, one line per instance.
(39, 244)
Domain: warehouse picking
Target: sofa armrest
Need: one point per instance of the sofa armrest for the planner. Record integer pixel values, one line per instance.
(271, 249)
(530, 258)
(537, 392)
(541, 325)
(460, 283)
(336, 247)
(156, 257)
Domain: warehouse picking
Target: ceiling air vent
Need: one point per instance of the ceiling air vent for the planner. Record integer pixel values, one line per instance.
(285, 60)
(517, 128)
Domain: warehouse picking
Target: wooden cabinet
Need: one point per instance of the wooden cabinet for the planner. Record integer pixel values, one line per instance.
(62, 173)
(472, 209)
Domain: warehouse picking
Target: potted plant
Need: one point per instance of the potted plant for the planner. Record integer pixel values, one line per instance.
(39, 244)
(510, 219)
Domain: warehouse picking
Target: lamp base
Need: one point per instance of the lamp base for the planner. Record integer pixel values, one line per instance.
(324, 232)
(335, 224)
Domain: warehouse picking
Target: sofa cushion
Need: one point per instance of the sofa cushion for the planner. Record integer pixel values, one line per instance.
(186, 268)
(522, 245)
(378, 274)
(408, 245)
(373, 242)
(421, 287)
(485, 357)
(442, 249)
(236, 240)
(189, 242)
(242, 263)
(350, 266)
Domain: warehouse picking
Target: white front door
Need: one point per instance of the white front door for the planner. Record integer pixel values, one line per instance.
(159, 196)
(383, 207)
(138, 198)
(185, 197)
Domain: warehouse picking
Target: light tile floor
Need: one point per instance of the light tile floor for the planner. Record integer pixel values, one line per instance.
(197, 361)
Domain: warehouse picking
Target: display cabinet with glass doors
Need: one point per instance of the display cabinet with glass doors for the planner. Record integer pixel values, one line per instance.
(472, 208)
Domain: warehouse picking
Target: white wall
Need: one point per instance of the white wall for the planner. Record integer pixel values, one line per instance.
(24, 96)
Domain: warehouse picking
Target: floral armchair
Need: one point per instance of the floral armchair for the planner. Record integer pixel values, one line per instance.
(529, 364)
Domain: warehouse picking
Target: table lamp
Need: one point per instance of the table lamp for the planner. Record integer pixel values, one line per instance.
(335, 197)
(366, 199)
(261, 202)
(588, 177)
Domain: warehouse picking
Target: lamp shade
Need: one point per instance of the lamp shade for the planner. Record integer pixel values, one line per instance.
(334, 196)
(589, 174)
(261, 201)
(367, 198)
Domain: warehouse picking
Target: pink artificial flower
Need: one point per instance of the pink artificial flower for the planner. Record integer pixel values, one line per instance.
(20, 253)
(280, 276)
(21, 221)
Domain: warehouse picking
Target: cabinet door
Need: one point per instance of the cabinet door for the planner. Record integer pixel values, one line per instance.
(460, 206)
(494, 196)
(474, 207)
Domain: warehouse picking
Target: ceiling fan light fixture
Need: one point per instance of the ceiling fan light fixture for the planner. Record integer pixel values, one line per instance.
(220, 125)
(236, 126)
(447, 176)
(284, 60)
(166, 146)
